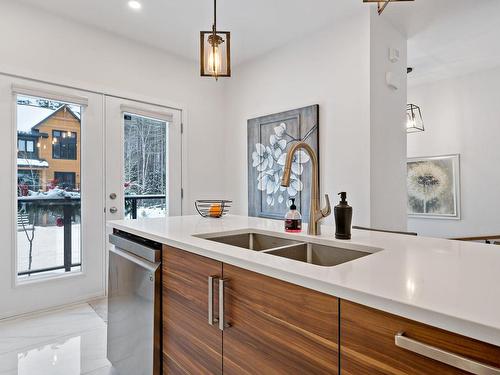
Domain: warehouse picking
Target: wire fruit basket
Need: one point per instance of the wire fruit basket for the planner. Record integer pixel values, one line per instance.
(212, 207)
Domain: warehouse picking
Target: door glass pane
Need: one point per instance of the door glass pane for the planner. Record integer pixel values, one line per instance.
(145, 161)
(48, 193)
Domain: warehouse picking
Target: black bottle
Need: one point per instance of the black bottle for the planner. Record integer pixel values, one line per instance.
(343, 218)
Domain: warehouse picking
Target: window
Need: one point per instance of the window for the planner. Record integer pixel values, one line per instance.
(26, 149)
(30, 146)
(48, 192)
(24, 145)
(63, 145)
(65, 180)
(145, 166)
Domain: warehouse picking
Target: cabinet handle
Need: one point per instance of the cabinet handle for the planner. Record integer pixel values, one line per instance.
(444, 356)
(222, 317)
(211, 319)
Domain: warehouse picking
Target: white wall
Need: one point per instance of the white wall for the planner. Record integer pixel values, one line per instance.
(387, 128)
(43, 46)
(461, 116)
(330, 68)
(362, 134)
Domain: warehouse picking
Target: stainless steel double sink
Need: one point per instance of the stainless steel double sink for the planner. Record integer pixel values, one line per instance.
(308, 252)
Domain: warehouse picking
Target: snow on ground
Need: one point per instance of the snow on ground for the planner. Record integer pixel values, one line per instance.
(48, 247)
(143, 212)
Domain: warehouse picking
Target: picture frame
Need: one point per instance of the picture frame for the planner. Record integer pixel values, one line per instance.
(269, 139)
(433, 185)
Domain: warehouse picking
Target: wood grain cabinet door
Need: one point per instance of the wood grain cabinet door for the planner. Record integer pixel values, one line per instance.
(277, 327)
(367, 345)
(190, 344)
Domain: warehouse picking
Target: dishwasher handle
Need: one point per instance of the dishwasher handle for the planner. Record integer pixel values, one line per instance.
(150, 266)
(135, 248)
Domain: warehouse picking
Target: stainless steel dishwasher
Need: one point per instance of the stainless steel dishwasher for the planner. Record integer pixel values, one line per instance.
(134, 305)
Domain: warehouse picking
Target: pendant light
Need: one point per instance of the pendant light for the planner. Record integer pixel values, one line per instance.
(215, 51)
(414, 121)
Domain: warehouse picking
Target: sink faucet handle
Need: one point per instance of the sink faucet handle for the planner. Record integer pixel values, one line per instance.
(328, 209)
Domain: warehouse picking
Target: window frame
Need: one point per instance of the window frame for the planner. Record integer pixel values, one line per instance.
(22, 148)
(64, 145)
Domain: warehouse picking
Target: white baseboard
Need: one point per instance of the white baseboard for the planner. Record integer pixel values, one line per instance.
(69, 303)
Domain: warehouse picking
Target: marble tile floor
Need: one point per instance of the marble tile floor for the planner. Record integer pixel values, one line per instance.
(69, 341)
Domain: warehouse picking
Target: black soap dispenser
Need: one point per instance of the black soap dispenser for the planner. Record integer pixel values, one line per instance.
(343, 218)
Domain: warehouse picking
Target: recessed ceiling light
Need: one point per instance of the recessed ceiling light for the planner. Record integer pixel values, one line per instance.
(134, 4)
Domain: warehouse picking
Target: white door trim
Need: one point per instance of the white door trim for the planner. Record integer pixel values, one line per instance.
(19, 297)
(49, 94)
(33, 79)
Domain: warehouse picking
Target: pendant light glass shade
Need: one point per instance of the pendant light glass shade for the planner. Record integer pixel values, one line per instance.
(414, 121)
(215, 59)
(215, 51)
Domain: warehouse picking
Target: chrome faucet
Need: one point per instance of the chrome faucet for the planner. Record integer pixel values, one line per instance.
(315, 213)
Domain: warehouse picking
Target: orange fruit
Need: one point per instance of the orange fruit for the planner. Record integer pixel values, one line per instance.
(215, 210)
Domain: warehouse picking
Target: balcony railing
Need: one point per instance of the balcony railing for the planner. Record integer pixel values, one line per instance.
(36, 212)
(33, 212)
(133, 203)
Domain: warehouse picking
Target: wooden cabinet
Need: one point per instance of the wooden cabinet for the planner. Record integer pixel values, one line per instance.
(277, 327)
(367, 345)
(274, 327)
(190, 344)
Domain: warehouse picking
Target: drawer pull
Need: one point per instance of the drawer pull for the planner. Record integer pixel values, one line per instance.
(222, 313)
(211, 319)
(445, 357)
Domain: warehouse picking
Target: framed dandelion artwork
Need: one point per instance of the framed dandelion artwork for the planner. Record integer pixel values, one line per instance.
(269, 139)
(434, 187)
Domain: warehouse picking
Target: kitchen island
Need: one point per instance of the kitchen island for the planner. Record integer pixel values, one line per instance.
(437, 291)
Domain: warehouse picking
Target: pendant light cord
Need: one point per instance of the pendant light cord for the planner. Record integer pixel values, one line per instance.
(214, 30)
(215, 15)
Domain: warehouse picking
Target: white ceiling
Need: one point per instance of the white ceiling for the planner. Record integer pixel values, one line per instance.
(448, 38)
(256, 26)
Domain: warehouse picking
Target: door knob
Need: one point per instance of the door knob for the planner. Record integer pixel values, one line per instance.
(113, 210)
(112, 196)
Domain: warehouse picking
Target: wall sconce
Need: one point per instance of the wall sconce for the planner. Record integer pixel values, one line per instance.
(414, 121)
(215, 51)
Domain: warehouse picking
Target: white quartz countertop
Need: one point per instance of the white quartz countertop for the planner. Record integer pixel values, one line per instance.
(447, 284)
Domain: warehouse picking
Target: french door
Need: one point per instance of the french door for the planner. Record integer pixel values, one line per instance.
(143, 160)
(52, 220)
(70, 160)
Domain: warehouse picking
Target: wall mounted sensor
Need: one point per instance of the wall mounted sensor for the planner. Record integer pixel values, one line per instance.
(394, 55)
(392, 80)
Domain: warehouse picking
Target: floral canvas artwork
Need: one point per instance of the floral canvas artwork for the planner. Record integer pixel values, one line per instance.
(433, 187)
(269, 138)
